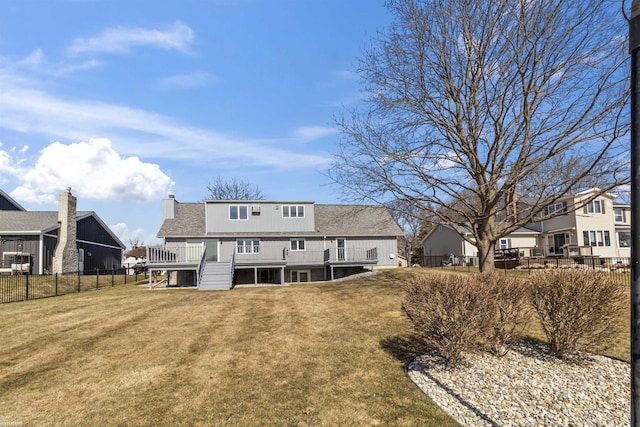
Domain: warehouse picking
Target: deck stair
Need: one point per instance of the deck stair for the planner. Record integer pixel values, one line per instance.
(217, 276)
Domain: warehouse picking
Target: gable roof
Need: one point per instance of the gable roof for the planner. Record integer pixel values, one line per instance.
(189, 221)
(355, 220)
(6, 200)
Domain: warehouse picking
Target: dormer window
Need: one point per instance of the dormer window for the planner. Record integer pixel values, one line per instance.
(238, 212)
(293, 211)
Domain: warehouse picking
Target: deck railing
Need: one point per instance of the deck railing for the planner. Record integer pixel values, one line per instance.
(174, 254)
(274, 253)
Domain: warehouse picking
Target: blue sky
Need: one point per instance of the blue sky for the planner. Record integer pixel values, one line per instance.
(128, 101)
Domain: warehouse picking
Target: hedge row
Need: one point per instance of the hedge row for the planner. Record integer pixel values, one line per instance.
(454, 314)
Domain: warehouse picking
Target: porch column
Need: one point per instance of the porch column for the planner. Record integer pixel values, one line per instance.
(255, 275)
(282, 275)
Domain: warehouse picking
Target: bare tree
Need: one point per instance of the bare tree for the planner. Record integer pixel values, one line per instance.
(414, 222)
(233, 189)
(475, 104)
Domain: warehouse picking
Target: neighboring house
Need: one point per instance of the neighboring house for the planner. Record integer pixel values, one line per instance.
(135, 260)
(34, 236)
(446, 244)
(600, 228)
(217, 244)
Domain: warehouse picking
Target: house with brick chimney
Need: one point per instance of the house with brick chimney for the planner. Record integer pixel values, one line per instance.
(62, 241)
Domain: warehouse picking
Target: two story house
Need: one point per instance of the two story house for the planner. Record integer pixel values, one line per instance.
(218, 244)
(598, 227)
(588, 224)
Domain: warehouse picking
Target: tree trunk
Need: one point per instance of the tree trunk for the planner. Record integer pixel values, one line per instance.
(485, 242)
(485, 254)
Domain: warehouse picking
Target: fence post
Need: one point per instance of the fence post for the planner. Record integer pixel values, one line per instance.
(26, 281)
(97, 278)
(112, 273)
(56, 277)
(78, 280)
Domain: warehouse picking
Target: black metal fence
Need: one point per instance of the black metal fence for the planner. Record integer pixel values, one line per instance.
(23, 287)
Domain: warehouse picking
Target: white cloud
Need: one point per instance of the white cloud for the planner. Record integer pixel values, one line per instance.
(138, 132)
(310, 133)
(186, 80)
(37, 64)
(122, 39)
(127, 235)
(94, 170)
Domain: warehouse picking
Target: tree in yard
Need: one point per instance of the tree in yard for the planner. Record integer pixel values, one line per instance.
(233, 189)
(473, 105)
(414, 223)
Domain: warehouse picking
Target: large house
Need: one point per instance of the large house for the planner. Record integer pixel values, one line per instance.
(599, 227)
(33, 241)
(218, 244)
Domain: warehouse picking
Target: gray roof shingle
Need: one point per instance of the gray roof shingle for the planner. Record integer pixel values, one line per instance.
(26, 222)
(355, 220)
(188, 222)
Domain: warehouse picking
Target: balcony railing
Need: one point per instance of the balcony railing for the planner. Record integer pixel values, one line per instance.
(174, 254)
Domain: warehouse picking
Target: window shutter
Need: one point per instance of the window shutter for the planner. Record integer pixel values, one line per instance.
(585, 236)
(586, 209)
(508, 243)
(602, 203)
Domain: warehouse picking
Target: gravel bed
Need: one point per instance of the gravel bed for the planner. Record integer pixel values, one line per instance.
(528, 388)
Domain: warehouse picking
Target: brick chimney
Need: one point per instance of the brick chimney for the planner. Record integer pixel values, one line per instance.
(65, 258)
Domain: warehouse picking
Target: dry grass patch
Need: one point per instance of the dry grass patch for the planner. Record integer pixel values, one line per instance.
(326, 354)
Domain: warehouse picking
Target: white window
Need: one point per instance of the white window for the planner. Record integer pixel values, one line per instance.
(557, 208)
(618, 214)
(293, 211)
(624, 239)
(238, 212)
(248, 246)
(596, 237)
(595, 206)
(504, 244)
(297, 244)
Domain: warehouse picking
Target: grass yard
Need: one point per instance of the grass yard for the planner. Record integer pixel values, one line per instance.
(318, 354)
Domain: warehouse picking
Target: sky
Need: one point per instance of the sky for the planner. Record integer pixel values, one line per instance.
(126, 102)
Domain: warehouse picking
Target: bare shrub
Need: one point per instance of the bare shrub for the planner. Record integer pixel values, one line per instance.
(508, 299)
(579, 310)
(449, 312)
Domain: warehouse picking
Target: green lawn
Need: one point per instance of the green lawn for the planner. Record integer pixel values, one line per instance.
(318, 354)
